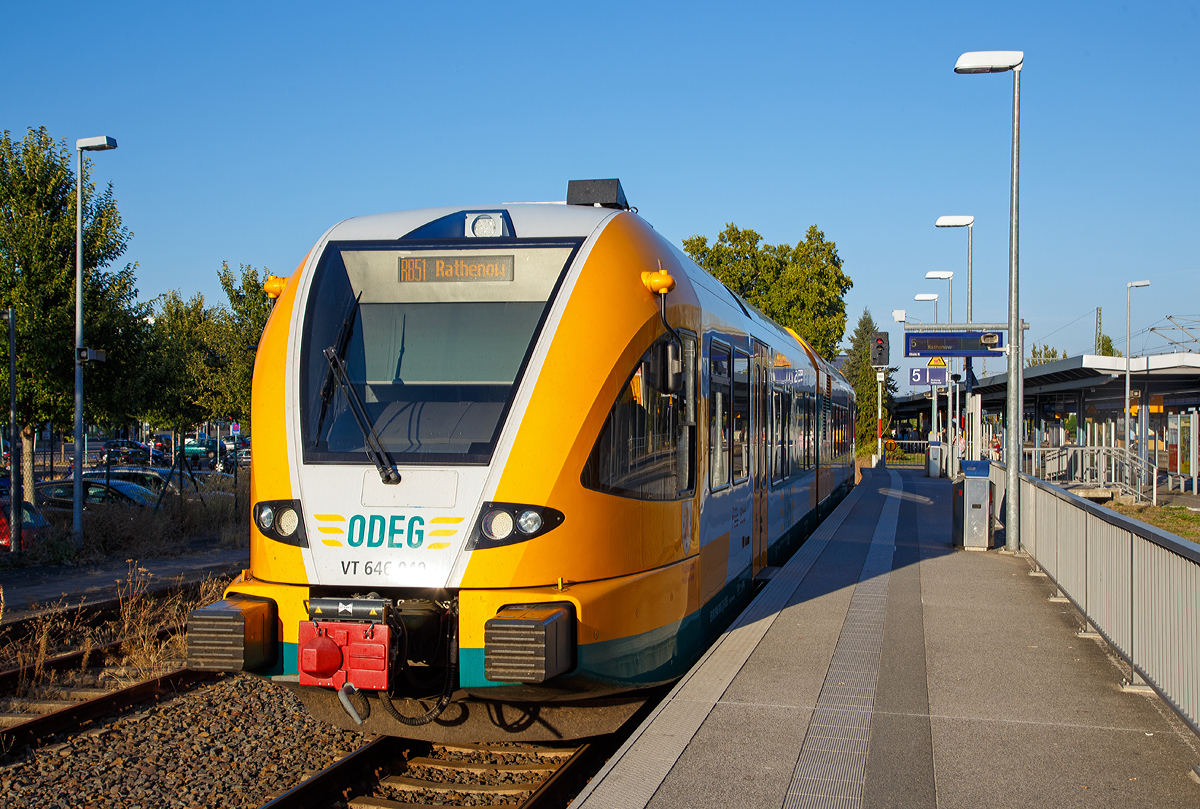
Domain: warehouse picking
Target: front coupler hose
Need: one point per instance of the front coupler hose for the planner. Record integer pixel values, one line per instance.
(447, 688)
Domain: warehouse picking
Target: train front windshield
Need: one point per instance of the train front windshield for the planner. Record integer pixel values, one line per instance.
(433, 343)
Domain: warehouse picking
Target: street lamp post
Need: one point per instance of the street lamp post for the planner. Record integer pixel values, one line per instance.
(929, 296)
(15, 481)
(1000, 62)
(99, 144)
(969, 223)
(952, 397)
(1128, 443)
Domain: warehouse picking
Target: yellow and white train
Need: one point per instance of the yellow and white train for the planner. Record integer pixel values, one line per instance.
(513, 466)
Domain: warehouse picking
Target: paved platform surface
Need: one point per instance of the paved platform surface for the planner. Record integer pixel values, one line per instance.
(883, 668)
(35, 589)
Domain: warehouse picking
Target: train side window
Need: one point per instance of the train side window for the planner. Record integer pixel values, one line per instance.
(719, 407)
(780, 443)
(741, 416)
(646, 448)
(810, 430)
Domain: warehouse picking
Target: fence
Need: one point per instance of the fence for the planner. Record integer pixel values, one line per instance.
(1138, 586)
(905, 453)
(1097, 466)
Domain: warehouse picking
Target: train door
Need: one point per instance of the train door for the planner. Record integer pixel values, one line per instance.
(760, 409)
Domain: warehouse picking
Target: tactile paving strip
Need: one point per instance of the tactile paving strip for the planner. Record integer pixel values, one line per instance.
(833, 760)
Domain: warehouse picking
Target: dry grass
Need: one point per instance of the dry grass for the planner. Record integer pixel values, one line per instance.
(207, 518)
(139, 618)
(1179, 521)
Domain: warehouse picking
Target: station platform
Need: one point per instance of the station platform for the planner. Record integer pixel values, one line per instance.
(881, 667)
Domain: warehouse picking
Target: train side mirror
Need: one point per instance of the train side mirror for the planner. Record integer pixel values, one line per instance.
(673, 365)
(664, 371)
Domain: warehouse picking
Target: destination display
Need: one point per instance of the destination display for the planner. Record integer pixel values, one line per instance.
(424, 269)
(952, 343)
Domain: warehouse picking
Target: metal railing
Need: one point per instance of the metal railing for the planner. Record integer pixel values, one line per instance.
(904, 453)
(1098, 466)
(1138, 586)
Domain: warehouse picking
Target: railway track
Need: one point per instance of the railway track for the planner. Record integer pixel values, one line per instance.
(390, 772)
(60, 710)
(36, 707)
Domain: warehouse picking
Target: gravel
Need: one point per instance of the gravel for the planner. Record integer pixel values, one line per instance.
(230, 743)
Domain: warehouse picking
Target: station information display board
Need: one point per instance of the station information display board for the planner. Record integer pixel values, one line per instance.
(927, 376)
(952, 343)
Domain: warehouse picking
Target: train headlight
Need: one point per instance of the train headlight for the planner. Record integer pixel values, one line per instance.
(508, 523)
(497, 525)
(287, 522)
(282, 521)
(529, 522)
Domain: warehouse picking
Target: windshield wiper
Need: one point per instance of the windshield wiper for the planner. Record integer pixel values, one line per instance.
(373, 444)
(340, 344)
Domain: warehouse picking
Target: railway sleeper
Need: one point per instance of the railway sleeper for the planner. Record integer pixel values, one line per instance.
(476, 767)
(41, 706)
(405, 783)
(541, 752)
(374, 802)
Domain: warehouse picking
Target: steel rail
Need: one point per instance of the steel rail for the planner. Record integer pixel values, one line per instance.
(549, 791)
(330, 784)
(69, 719)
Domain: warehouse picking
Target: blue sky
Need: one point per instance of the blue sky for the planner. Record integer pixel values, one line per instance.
(246, 131)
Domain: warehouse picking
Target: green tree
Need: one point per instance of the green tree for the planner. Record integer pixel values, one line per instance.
(861, 375)
(233, 335)
(1106, 347)
(179, 359)
(37, 279)
(802, 287)
(1040, 355)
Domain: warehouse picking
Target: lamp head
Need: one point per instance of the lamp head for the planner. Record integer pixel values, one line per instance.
(1139, 283)
(925, 296)
(989, 61)
(954, 221)
(898, 315)
(100, 144)
(939, 275)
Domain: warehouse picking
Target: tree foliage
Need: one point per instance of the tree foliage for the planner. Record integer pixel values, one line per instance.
(173, 361)
(861, 375)
(204, 356)
(1106, 347)
(1040, 355)
(177, 358)
(802, 287)
(37, 279)
(232, 337)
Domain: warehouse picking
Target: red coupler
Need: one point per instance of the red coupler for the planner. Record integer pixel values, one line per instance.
(333, 654)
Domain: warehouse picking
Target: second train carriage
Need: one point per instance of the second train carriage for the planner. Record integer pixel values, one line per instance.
(517, 463)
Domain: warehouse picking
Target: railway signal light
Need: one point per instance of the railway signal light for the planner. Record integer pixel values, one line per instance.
(879, 349)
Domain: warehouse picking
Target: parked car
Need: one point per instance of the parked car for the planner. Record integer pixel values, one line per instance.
(205, 452)
(148, 477)
(124, 451)
(34, 527)
(59, 495)
(239, 441)
(241, 457)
